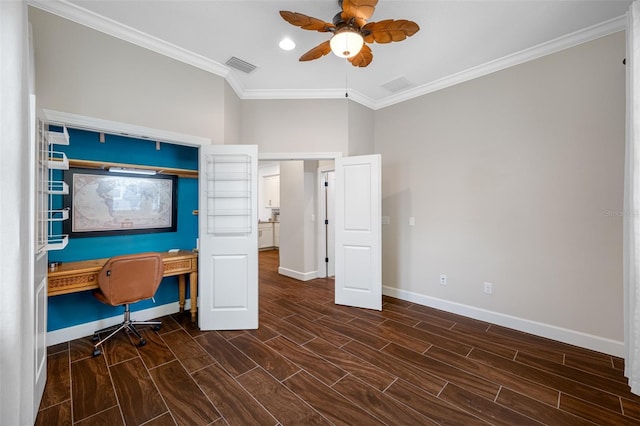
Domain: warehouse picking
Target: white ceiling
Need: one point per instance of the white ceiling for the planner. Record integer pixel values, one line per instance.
(458, 40)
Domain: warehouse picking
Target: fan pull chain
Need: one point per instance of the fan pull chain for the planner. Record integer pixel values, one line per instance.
(346, 79)
(346, 95)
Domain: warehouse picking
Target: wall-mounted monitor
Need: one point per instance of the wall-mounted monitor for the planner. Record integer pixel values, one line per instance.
(104, 203)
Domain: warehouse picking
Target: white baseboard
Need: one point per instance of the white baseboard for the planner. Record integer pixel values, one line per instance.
(87, 329)
(572, 337)
(302, 276)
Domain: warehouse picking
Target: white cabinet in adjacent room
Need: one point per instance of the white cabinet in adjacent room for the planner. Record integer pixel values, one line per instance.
(265, 235)
(276, 234)
(272, 191)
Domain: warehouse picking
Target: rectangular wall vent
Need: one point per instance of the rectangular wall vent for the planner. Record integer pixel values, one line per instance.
(241, 65)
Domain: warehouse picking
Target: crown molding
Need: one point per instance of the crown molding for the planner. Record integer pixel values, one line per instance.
(98, 22)
(293, 94)
(90, 19)
(235, 83)
(309, 94)
(553, 46)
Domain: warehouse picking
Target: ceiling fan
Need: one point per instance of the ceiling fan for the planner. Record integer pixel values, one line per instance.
(351, 31)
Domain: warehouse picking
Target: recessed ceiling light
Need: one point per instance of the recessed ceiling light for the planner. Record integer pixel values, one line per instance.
(287, 44)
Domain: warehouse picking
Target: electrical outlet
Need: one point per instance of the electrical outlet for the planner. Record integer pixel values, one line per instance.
(488, 288)
(443, 279)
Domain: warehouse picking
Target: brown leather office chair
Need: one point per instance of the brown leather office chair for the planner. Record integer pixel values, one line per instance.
(124, 280)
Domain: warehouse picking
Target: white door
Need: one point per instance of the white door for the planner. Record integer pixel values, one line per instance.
(228, 224)
(39, 205)
(358, 232)
(331, 217)
(327, 235)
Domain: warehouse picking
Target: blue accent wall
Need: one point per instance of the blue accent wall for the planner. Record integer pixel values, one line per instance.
(78, 308)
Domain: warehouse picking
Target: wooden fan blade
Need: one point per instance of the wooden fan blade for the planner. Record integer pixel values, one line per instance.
(360, 10)
(363, 58)
(389, 30)
(306, 22)
(317, 52)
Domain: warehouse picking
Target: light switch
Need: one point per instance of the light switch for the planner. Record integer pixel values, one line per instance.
(386, 220)
(412, 221)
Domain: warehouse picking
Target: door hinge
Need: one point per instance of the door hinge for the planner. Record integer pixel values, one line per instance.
(326, 260)
(326, 221)
(326, 184)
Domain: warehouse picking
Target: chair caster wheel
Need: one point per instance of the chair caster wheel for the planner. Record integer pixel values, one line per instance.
(156, 327)
(96, 352)
(142, 343)
(95, 338)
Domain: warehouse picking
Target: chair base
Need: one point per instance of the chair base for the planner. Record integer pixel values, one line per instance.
(127, 325)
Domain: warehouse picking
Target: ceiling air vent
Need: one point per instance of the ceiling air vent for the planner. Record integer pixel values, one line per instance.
(397, 84)
(241, 65)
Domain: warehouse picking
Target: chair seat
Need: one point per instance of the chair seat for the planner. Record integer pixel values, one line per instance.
(124, 280)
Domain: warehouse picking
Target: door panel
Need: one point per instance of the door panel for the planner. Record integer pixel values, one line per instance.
(39, 205)
(357, 206)
(357, 268)
(40, 336)
(358, 232)
(228, 258)
(231, 272)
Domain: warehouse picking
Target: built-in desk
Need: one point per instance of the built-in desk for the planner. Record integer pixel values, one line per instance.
(72, 277)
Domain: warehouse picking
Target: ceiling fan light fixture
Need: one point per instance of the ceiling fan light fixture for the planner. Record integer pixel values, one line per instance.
(287, 44)
(346, 42)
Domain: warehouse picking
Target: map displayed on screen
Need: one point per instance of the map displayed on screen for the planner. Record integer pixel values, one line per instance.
(108, 203)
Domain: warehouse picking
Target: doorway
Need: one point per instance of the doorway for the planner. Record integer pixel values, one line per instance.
(357, 228)
(306, 213)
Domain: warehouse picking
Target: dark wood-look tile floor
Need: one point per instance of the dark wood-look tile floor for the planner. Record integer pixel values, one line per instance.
(313, 362)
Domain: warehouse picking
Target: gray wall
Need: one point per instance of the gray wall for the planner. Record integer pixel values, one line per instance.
(515, 178)
(361, 130)
(316, 125)
(232, 111)
(85, 72)
(292, 223)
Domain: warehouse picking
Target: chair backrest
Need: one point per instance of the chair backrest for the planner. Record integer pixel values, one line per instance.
(131, 278)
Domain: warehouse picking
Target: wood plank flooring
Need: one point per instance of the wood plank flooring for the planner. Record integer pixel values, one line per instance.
(313, 362)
